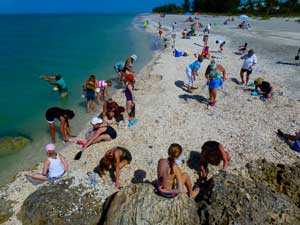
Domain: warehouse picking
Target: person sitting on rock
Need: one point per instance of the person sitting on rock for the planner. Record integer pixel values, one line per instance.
(54, 167)
(292, 140)
(213, 153)
(101, 132)
(114, 160)
(170, 179)
(263, 87)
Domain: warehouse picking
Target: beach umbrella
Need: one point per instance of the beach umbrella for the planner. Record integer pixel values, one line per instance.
(244, 17)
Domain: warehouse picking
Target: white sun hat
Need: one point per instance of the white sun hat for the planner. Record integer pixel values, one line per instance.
(96, 120)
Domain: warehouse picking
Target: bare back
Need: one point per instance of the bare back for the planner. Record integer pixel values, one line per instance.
(165, 178)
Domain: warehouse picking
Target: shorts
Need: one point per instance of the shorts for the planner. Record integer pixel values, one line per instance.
(90, 96)
(55, 178)
(216, 83)
(246, 70)
(296, 146)
(49, 117)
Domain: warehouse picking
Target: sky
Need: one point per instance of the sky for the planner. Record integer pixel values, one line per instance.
(81, 6)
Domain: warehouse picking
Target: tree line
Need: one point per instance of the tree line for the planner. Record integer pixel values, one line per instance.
(253, 7)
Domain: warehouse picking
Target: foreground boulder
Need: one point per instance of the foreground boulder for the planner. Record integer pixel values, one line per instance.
(10, 145)
(5, 209)
(140, 205)
(279, 177)
(231, 199)
(61, 204)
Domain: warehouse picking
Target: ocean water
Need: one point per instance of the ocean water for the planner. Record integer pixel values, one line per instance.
(72, 45)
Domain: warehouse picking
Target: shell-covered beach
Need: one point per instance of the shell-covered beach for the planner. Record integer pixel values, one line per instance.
(166, 114)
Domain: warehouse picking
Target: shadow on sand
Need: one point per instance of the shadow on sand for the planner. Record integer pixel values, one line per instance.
(287, 63)
(201, 99)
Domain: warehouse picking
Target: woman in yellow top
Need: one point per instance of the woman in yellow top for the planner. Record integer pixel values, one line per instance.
(90, 87)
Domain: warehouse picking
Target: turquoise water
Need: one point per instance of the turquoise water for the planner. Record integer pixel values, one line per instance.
(72, 45)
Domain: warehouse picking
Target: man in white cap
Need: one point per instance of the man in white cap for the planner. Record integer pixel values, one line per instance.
(128, 68)
(54, 167)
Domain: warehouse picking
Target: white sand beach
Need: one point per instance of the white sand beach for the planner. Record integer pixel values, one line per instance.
(166, 114)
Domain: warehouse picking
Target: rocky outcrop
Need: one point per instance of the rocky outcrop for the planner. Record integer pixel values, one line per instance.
(10, 145)
(279, 177)
(61, 204)
(234, 200)
(5, 209)
(140, 205)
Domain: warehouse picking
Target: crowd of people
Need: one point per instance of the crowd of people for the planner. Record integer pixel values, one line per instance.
(171, 180)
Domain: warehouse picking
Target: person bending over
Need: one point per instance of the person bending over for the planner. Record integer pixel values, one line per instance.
(212, 153)
(101, 132)
(114, 160)
(111, 109)
(128, 68)
(54, 167)
(170, 179)
(263, 87)
(192, 72)
(63, 115)
(58, 82)
(222, 44)
(292, 140)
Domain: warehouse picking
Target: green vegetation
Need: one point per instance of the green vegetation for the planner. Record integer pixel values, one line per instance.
(262, 8)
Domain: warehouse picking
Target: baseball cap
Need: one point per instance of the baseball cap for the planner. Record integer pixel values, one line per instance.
(96, 120)
(50, 147)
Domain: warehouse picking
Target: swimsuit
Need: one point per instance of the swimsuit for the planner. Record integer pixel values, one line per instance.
(110, 131)
(215, 79)
(128, 94)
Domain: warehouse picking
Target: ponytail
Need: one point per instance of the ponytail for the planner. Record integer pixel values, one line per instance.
(174, 152)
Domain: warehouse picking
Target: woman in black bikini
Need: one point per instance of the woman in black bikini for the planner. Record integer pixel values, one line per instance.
(101, 132)
(114, 160)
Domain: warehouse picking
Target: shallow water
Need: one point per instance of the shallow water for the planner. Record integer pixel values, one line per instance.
(72, 45)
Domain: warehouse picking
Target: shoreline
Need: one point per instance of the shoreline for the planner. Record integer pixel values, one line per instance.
(166, 115)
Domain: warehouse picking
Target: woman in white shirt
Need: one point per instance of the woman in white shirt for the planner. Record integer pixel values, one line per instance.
(249, 61)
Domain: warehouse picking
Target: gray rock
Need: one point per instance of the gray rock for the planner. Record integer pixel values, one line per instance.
(10, 145)
(279, 177)
(60, 204)
(233, 200)
(139, 205)
(5, 209)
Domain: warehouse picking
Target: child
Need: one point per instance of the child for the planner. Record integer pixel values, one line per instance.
(54, 167)
(102, 90)
(222, 43)
(130, 105)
